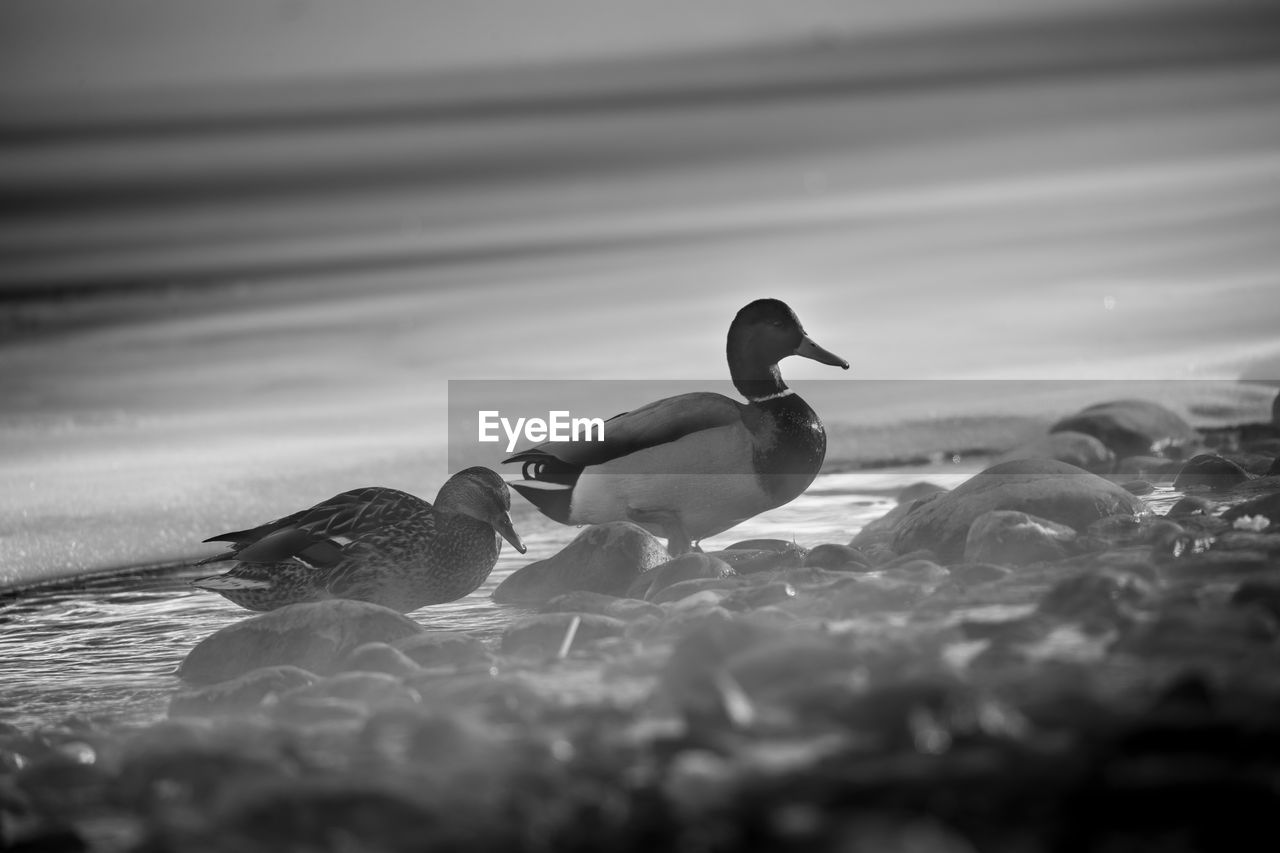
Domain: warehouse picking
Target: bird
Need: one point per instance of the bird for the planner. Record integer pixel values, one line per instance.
(696, 464)
(372, 544)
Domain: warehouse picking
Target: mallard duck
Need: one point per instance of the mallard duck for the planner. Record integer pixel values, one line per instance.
(373, 544)
(694, 465)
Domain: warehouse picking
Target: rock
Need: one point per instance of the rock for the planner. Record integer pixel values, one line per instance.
(1014, 538)
(838, 558)
(687, 567)
(1263, 593)
(1217, 565)
(443, 648)
(1138, 487)
(693, 586)
(1131, 427)
(880, 533)
(326, 814)
(761, 545)
(1075, 448)
(1151, 468)
(746, 561)
(918, 570)
(369, 690)
(1098, 600)
(759, 595)
(692, 677)
(1045, 488)
(603, 605)
(1268, 507)
(1190, 505)
(1207, 471)
(972, 574)
(315, 636)
(918, 491)
(604, 558)
(241, 694)
(380, 657)
(544, 635)
(1188, 633)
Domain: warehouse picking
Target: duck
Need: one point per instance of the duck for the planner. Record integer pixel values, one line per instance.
(373, 544)
(691, 466)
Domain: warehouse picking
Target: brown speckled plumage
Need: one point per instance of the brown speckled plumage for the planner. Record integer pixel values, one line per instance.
(373, 544)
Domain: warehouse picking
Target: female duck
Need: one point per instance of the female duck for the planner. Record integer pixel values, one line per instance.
(374, 544)
(694, 465)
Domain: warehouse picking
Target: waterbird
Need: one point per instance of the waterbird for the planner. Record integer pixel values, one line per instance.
(373, 544)
(694, 465)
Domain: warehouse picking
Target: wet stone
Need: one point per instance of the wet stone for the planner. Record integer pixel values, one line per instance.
(838, 558)
(1268, 507)
(1216, 565)
(1098, 600)
(1210, 472)
(626, 609)
(605, 558)
(1075, 448)
(1131, 427)
(1191, 505)
(1155, 469)
(367, 689)
(749, 562)
(380, 657)
(484, 695)
(1263, 593)
(917, 491)
(1138, 487)
(696, 586)
(314, 636)
(1015, 538)
(916, 571)
(691, 566)
(1047, 489)
(241, 694)
(1192, 633)
(972, 574)
(309, 815)
(760, 595)
(443, 648)
(544, 635)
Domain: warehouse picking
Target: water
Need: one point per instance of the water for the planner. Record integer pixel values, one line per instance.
(109, 645)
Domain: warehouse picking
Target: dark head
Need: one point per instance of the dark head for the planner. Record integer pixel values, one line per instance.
(482, 495)
(764, 333)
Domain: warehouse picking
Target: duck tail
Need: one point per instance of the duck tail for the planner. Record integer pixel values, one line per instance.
(216, 558)
(219, 583)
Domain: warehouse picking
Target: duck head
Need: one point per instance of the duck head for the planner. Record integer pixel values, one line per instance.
(762, 334)
(482, 495)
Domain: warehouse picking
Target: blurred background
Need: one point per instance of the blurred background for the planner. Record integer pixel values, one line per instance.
(244, 246)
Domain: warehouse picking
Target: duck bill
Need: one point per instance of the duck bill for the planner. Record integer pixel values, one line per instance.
(809, 349)
(508, 532)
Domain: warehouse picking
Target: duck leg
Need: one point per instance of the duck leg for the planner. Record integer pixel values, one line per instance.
(669, 521)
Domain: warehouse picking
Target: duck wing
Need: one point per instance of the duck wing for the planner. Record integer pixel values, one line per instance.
(319, 536)
(661, 422)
